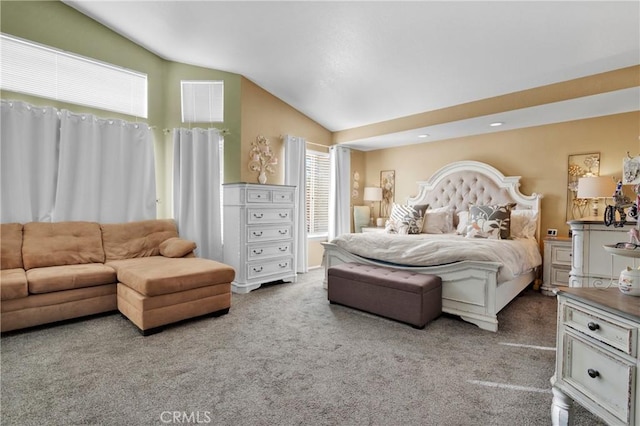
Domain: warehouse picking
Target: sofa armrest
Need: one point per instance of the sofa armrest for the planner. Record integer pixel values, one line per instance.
(176, 247)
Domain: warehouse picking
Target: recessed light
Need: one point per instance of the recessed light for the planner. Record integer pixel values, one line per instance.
(496, 124)
(423, 136)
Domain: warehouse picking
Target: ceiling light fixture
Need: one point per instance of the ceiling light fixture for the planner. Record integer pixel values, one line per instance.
(496, 124)
(423, 136)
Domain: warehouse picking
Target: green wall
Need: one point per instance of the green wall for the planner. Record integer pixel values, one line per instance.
(55, 24)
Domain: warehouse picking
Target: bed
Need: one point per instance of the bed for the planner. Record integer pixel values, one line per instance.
(474, 287)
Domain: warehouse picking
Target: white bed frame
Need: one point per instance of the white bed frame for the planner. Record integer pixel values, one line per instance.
(470, 289)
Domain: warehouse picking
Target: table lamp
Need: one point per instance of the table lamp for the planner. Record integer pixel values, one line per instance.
(372, 194)
(594, 188)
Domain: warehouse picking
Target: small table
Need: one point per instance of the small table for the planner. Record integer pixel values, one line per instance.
(597, 355)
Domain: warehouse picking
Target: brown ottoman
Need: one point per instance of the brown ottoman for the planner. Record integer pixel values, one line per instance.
(155, 291)
(401, 295)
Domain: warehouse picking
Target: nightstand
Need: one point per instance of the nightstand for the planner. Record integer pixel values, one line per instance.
(373, 229)
(556, 264)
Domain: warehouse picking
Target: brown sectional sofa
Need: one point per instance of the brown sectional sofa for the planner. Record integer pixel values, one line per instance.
(57, 271)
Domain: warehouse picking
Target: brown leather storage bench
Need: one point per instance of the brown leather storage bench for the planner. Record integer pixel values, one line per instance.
(398, 294)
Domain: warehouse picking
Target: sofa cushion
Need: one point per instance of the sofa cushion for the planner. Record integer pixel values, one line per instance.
(136, 239)
(61, 299)
(68, 277)
(13, 284)
(11, 246)
(157, 275)
(61, 243)
(176, 247)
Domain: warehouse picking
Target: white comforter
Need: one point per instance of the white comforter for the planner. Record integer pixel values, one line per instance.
(516, 256)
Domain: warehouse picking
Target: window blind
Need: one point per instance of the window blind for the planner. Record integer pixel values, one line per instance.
(202, 101)
(317, 192)
(43, 71)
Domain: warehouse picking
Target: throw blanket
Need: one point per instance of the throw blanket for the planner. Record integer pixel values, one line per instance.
(517, 256)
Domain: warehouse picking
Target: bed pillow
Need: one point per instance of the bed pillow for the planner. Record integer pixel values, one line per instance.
(438, 221)
(524, 223)
(463, 222)
(491, 221)
(406, 219)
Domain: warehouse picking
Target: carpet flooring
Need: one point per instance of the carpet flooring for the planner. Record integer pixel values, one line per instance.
(285, 356)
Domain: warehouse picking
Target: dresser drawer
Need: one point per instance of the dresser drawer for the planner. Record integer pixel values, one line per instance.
(614, 333)
(599, 375)
(268, 233)
(258, 215)
(272, 267)
(255, 195)
(265, 251)
(282, 195)
(561, 255)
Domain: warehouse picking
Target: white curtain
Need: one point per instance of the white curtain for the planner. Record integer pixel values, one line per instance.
(28, 162)
(339, 192)
(295, 153)
(106, 170)
(196, 189)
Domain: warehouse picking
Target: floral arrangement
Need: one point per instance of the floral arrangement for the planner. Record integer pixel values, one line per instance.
(262, 159)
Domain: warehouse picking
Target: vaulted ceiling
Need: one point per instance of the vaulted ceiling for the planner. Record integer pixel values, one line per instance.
(351, 64)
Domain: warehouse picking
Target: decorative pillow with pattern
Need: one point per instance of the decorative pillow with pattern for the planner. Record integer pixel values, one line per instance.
(406, 219)
(493, 221)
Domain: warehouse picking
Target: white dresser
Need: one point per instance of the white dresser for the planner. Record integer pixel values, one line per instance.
(557, 264)
(591, 266)
(259, 233)
(597, 355)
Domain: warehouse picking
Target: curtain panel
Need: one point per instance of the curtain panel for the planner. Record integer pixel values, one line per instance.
(295, 150)
(339, 194)
(28, 162)
(196, 189)
(61, 166)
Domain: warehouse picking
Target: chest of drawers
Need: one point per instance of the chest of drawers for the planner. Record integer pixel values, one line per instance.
(597, 356)
(259, 233)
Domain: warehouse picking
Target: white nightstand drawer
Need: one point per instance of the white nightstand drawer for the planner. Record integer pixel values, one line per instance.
(264, 251)
(278, 266)
(259, 215)
(599, 375)
(617, 334)
(561, 255)
(559, 276)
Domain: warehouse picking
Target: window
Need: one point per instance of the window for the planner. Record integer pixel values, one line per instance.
(317, 192)
(39, 70)
(202, 101)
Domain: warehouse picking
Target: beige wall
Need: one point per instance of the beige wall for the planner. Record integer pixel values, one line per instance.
(264, 114)
(538, 154)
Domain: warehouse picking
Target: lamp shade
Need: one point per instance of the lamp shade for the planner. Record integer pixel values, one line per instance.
(596, 187)
(372, 193)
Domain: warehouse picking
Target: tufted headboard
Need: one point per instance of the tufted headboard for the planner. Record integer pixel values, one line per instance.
(462, 183)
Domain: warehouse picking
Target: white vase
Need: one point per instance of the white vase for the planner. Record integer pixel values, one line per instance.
(262, 178)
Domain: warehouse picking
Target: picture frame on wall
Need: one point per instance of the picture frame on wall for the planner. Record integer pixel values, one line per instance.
(388, 185)
(579, 165)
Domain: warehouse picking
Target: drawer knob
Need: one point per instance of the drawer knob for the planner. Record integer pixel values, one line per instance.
(282, 265)
(257, 251)
(258, 216)
(283, 232)
(593, 326)
(283, 215)
(593, 373)
(285, 248)
(257, 269)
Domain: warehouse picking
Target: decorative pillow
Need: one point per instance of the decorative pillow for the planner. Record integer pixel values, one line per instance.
(406, 219)
(463, 222)
(438, 221)
(176, 247)
(493, 221)
(524, 223)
